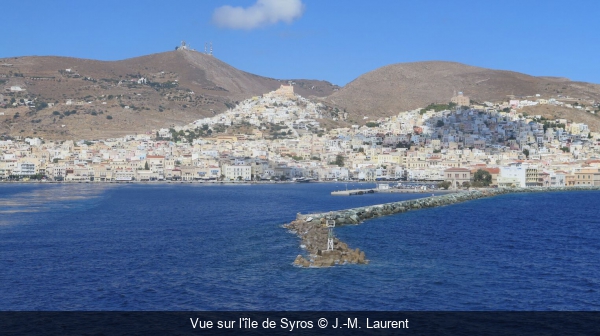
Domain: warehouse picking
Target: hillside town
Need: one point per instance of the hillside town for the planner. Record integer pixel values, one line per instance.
(280, 136)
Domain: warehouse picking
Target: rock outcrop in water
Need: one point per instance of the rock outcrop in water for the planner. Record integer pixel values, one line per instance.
(312, 230)
(314, 239)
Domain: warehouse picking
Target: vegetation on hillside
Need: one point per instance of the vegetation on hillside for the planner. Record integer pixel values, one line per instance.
(439, 107)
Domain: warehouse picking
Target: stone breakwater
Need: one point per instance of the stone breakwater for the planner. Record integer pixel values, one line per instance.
(312, 230)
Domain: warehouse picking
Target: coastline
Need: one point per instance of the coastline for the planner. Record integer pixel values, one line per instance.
(151, 182)
(176, 182)
(436, 191)
(313, 233)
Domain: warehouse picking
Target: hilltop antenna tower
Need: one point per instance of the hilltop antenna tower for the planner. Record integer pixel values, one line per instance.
(205, 48)
(211, 49)
(330, 222)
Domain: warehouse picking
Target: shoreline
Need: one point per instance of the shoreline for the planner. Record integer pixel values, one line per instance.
(229, 183)
(149, 182)
(313, 233)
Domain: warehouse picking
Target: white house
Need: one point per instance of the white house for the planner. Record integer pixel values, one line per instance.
(234, 172)
(25, 169)
(513, 175)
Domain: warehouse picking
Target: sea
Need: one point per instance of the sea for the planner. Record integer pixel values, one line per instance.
(222, 247)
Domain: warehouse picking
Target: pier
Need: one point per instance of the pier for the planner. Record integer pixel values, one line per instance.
(313, 232)
(386, 188)
(354, 192)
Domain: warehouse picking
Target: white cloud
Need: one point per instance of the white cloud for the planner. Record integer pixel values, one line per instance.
(262, 13)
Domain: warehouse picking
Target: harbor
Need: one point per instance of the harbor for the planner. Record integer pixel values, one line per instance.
(315, 236)
(387, 188)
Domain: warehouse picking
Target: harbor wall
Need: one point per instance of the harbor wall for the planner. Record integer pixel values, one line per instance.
(357, 215)
(313, 233)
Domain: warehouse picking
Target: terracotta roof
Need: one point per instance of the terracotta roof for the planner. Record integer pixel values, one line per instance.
(492, 170)
(457, 170)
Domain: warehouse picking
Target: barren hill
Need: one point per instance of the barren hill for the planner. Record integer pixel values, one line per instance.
(80, 98)
(98, 99)
(405, 86)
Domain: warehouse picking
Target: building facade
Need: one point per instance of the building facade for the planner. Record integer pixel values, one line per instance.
(457, 176)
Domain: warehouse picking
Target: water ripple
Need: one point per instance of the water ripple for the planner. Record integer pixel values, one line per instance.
(190, 247)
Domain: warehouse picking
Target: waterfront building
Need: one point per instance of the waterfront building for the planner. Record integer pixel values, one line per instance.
(457, 176)
(235, 173)
(532, 177)
(514, 175)
(24, 169)
(587, 176)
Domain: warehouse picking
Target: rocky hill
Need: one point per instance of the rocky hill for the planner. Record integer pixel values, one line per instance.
(69, 98)
(405, 86)
(98, 99)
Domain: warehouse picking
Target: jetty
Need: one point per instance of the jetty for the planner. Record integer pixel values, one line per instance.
(353, 192)
(314, 232)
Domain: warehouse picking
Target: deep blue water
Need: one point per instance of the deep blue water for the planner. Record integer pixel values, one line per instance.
(197, 247)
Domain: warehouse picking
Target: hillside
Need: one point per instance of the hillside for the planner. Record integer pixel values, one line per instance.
(80, 98)
(99, 99)
(558, 112)
(405, 86)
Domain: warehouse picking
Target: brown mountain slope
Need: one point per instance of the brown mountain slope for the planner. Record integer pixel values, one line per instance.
(571, 114)
(180, 86)
(400, 87)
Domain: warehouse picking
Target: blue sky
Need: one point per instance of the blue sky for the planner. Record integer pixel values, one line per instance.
(332, 40)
